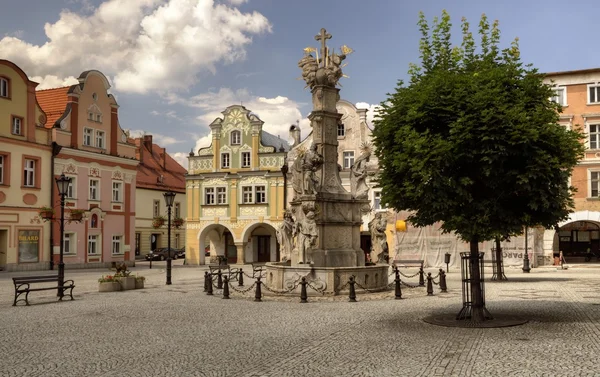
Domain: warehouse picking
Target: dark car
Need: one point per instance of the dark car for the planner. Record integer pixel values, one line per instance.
(161, 254)
(180, 253)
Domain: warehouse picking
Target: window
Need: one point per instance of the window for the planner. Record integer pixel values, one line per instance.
(224, 160)
(1, 169)
(177, 209)
(247, 194)
(221, 195)
(261, 194)
(594, 179)
(29, 173)
(560, 96)
(245, 159)
(100, 139)
(98, 118)
(348, 159)
(17, 126)
(341, 130)
(177, 240)
(376, 199)
(236, 137)
(91, 116)
(87, 136)
(209, 195)
(594, 136)
(92, 244)
(117, 195)
(94, 189)
(156, 208)
(71, 188)
(69, 243)
(116, 245)
(4, 88)
(593, 93)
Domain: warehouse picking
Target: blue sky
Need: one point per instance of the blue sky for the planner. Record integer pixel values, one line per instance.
(176, 64)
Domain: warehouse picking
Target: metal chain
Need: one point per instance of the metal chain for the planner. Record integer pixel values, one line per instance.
(255, 276)
(406, 276)
(393, 272)
(436, 276)
(342, 287)
(276, 291)
(321, 291)
(241, 290)
(363, 288)
(410, 286)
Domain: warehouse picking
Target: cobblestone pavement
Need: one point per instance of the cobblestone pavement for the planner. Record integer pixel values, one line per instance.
(178, 330)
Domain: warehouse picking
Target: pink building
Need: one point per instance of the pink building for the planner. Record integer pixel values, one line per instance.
(96, 155)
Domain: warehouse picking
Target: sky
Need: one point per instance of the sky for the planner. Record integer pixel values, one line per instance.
(175, 65)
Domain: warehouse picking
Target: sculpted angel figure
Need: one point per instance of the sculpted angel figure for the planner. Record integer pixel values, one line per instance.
(309, 66)
(358, 176)
(377, 228)
(285, 235)
(311, 162)
(306, 229)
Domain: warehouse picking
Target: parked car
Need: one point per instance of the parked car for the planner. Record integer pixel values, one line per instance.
(180, 253)
(207, 251)
(161, 254)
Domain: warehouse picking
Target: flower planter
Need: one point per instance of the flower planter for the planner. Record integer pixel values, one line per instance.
(127, 283)
(178, 223)
(109, 286)
(76, 217)
(157, 223)
(139, 284)
(46, 215)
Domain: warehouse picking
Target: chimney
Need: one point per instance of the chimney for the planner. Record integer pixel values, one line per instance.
(295, 134)
(163, 157)
(139, 151)
(362, 115)
(148, 142)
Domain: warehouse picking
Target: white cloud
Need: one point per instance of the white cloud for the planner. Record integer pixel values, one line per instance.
(373, 109)
(146, 45)
(51, 81)
(181, 158)
(161, 140)
(238, 2)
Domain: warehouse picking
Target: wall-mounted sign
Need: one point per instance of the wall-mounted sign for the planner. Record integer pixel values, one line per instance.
(29, 246)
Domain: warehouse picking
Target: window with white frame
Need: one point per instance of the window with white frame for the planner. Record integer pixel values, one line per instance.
(1, 169)
(71, 188)
(177, 209)
(560, 96)
(3, 87)
(94, 189)
(376, 199)
(341, 130)
(93, 244)
(177, 240)
(594, 93)
(156, 208)
(91, 116)
(348, 159)
(67, 242)
(17, 126)
(29, 173)
(245, 159)
(221, 195)
(100, 139)
(225, 160)
(88, 133)
(594, 180)
(98, 118)
(247, 194)
(209, 195)
(261, 194)
(594, 136)
(116, 244)
(117, 192)
(236, 137)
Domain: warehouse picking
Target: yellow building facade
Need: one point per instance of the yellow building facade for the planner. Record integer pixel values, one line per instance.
(235, 192)
(25, 173)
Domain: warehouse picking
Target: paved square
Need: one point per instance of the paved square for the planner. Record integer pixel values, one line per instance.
(179, 331)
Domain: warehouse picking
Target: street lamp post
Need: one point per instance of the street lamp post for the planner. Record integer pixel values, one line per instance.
(526, 267)
(169, 197)
(63, 184)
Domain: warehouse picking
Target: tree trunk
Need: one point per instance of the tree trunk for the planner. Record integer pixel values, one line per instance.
(499, 261)
(478, 301)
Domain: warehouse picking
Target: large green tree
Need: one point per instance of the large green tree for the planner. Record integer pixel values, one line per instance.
(473, 141)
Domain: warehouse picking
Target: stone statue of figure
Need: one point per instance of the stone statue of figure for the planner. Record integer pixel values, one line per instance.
(306, 230)
(309, 66)
(334, 69)
(311, 162)
(358, 176)
(379, 249)
(285, 235)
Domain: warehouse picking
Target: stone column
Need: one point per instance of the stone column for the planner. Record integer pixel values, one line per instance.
(240, 253)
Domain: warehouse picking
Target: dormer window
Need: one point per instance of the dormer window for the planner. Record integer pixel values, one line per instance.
(341, 130)
(236, 137)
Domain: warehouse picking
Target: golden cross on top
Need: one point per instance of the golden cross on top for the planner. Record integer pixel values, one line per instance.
(323, 36)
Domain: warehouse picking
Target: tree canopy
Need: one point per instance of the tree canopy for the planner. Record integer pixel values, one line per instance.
(473, 140)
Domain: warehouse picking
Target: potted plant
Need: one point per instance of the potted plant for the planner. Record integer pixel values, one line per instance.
(127, 282)
(76, 215)
(109, 283)
(178, 222)
(158, 221)
(139, 281)
(46, 213)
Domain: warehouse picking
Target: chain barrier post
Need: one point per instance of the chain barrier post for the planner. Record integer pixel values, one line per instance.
(352, 291)
(209, 292)
(398, 292)
(258, 294)
(303, 294)
(205, 281)
(219, 279)
(429, 284)
(240, 278)
(443, 286)
(421, 277)
(226, 287)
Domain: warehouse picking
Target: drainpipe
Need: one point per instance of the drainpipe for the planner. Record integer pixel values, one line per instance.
(55, 151)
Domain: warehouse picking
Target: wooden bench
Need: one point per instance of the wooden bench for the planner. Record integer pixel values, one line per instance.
(408, 262)
(257, 270)
(226, 270)
(23, 285)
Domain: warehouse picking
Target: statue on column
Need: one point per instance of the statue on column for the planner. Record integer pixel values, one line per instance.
(304, 168)
(358, 174)
(379, 243)
(285, 235)
(306, 230)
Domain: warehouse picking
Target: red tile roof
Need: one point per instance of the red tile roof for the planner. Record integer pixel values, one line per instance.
(53, 102)
(152, 167)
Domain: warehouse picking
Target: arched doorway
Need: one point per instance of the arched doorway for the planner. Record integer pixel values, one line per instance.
(261, 244)
(216, 240)
(579, 239)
